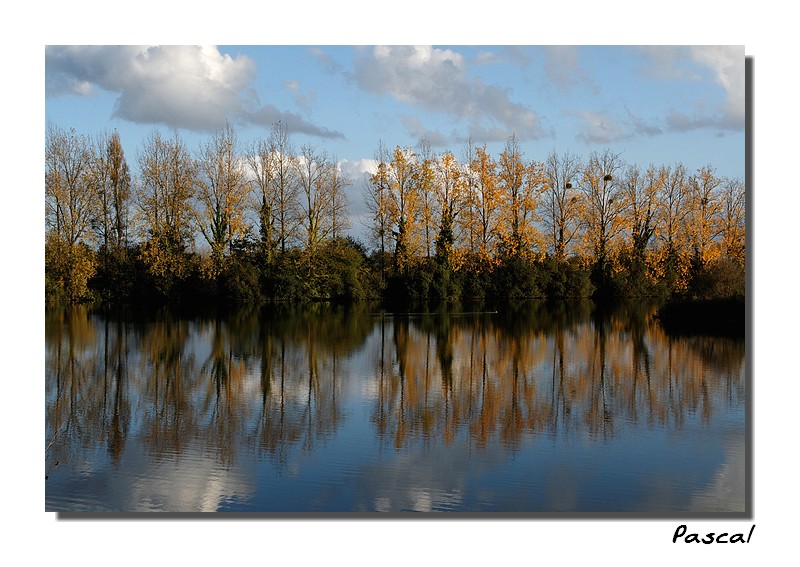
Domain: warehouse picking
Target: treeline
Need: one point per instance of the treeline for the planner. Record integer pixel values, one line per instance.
(268, 222)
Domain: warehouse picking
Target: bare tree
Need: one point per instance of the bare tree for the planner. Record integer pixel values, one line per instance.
(560, 207)
(315, 196)
(604, 202)
(284, 186)
(732, 219)
(376, 196)
(339, 202)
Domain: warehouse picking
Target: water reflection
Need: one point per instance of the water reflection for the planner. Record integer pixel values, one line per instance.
(334, 408)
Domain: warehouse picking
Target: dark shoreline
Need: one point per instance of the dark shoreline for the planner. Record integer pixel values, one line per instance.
(724, 317)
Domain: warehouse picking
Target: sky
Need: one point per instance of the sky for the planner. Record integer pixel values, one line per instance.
(651, 104)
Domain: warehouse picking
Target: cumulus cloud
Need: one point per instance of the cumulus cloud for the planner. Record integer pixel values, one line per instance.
(193, 87)
(437, 80)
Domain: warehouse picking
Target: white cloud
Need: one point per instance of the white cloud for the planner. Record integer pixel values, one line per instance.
(563, 69)
(300, 99)
(600, 128)
(325, 61)
(437, 80)
(356, 169)
(421, 76)
(724, 65)
(186, 86)
(193, 87)
(417, 129)
(605, 128)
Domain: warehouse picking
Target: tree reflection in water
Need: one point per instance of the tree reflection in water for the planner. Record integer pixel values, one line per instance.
(267, 382)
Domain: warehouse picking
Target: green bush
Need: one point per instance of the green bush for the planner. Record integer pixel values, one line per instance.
(239, 282)
(723, 278)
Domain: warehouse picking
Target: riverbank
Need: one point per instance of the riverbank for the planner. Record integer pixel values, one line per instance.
(724, 317)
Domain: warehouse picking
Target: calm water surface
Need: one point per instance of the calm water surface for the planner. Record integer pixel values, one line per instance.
(534, 408)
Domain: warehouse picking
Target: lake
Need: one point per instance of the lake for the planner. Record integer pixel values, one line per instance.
(534, 408)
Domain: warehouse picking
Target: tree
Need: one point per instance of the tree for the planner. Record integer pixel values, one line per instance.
(641, 191)
(468, 220)
(403, 204)
(487, 200)
(376, 195)
(520, 185)
(284, 186)
(673, 208)
(315, 196)
(70, 196)
(732, 220)
(449, 191)
(222, 192)
(70, 211)
(110, 177)
(168, 177)
(339, 202)
(560, 203)
(425, 174)
(604, 204)
(261, 167)
(704, 210)
(119, 179)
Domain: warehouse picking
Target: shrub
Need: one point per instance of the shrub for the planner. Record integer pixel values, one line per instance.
(723, 278)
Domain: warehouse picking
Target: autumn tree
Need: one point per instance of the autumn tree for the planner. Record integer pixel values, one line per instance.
(640, 191)
(673, 208)
(70, 196)
(222, 191)
(70, 209)
(425, 180)
(468, 220)
(519, 185)
(732, 219)
(167, 180)
(560, 201)
(112, 183)
(704, 210)
(487, 200)
(403, 203)
(111, 179)
(604, 204)
(450, 199)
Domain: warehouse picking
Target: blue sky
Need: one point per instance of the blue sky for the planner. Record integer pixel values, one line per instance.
(657, 105)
